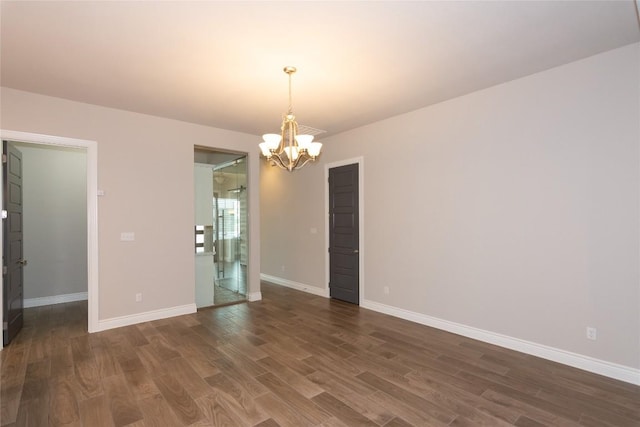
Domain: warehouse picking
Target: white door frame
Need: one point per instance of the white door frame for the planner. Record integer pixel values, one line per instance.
(92, 210)
(360, 162)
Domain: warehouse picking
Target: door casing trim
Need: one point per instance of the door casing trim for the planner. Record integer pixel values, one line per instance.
(92, 210)
(360, 162)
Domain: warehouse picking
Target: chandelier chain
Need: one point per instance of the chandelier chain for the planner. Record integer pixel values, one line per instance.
(290, 98)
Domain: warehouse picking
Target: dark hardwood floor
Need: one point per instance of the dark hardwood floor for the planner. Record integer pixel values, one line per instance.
(292, 359)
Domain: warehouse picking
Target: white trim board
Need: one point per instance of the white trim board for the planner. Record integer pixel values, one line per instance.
(55, 299)
(586, 363)
(133, 319)
(254, 296)
(295, 285)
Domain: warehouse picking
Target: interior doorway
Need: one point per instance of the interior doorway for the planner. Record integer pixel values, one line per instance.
(90, 243)
(221, 227)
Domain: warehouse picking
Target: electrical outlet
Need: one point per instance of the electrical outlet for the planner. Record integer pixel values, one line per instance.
(139, 297)
(592, 333)
(386, 290)
(283, 268)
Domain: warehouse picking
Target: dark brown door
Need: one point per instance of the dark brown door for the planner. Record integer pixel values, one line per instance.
(343, 234)
(13, 261)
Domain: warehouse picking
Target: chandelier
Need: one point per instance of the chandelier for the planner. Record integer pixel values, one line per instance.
(289, 150)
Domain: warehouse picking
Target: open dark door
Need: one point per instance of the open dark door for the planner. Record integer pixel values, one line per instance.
(13, 261)
(344, 262)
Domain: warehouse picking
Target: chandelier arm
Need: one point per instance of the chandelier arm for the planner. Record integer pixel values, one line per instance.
(277, 161)
(300, 166)
(282, 131)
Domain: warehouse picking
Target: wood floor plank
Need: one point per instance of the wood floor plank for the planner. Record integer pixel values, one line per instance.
(341, 411)
(397, 422)
(95, 412)
(151, 361)
(35, 389)
(227, 386)
(178, 399)
(163, 348)
(397, 407)
(140, 384)
(297, 381)
(134, 336)
(40, 348)
(283, 414)
(529, 411)
(243, 362)
(268, 423)
(193, 383)
(87, 377)
(157, 412)
(218, 411)
(105, 360)
(247, 382)
(353, 397)
(33, 413)
(61, 362)
(411, 399)
(9, 405)
(294, 399)
(457, 400)
(201, 356)
(63, 403)
(122, 403)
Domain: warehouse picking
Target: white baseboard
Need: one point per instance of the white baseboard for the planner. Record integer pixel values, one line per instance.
(597, 366)
(295, 285)
(56, 299)
(132, 319)
(254, 296)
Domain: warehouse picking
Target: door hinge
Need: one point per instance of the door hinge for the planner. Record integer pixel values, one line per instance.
(4, 214)
(4, 270)
(4, 158)
(5, 326)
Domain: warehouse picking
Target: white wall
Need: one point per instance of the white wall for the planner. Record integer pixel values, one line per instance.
(145, 168)
(514, 210)
(55, 220)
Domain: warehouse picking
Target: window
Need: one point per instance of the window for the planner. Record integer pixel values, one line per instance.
(229, 210)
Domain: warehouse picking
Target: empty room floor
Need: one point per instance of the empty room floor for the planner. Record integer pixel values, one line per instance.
(292, 359)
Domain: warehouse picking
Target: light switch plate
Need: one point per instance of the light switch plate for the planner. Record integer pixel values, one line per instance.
(127, 236)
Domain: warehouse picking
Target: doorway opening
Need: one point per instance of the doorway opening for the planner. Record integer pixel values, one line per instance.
(45, 243)
(89, 244)
(221, 227)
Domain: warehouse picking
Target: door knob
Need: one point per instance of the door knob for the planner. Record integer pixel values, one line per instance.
(22, 262)
(355, 251)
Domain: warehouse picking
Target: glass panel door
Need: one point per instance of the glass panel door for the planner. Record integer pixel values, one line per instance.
(230, 211)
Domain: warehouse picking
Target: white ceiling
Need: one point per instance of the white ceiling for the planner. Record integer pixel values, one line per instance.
(220, 63)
